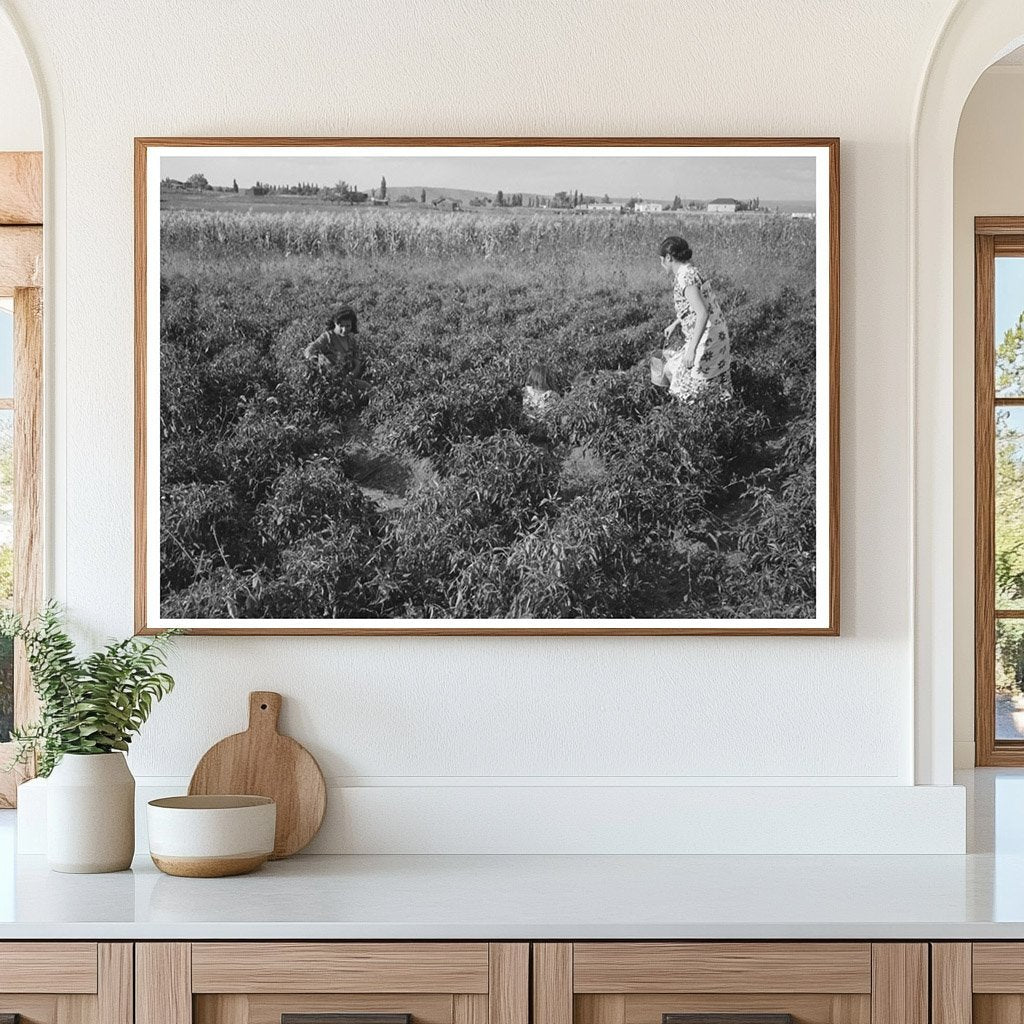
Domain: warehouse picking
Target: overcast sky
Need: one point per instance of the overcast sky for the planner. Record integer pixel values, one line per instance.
(1009, 293)
(652, 176)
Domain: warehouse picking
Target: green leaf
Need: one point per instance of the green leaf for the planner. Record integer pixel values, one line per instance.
(90, 705)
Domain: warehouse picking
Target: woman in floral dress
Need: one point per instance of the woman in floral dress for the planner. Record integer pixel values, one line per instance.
(700, 362)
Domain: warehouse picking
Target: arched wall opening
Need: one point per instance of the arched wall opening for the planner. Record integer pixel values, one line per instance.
(976, 34)
(986, 182)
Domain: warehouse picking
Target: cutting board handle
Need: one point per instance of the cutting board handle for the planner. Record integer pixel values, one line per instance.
(264, 710)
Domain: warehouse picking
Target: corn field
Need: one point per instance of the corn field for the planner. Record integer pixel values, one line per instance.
(375, 232)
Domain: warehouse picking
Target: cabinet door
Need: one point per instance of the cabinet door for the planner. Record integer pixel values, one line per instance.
(730, 983)
(66, 983)
(981, 982)
(332, 983)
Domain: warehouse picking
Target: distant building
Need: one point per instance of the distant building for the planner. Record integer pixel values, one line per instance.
(376, 201)
(642, 207)
(444, 203)
(601, 207)
(802, 216)
(724, 205)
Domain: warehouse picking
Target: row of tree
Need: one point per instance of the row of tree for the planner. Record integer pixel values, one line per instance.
(343, 192)
(197, 183)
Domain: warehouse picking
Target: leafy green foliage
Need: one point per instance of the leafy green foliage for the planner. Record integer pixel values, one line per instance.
(90, 705)
(1009, 511)
(1010, 360)
(422, 490)
(1009, 656)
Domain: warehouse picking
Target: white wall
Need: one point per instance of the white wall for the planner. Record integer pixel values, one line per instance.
(693, 711)
(987, 181)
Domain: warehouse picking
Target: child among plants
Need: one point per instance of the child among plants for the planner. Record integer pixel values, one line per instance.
(539, 392)
(702, 363)
(337, 345)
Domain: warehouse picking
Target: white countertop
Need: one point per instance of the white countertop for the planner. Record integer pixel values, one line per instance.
(977, 896)
(517, 897)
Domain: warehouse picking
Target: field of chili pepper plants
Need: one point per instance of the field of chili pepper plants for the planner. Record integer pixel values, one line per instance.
(418, 489)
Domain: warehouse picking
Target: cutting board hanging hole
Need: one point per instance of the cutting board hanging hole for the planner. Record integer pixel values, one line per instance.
(264, 710)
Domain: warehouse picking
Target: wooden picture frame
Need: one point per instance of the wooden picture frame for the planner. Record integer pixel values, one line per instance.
(153, 157)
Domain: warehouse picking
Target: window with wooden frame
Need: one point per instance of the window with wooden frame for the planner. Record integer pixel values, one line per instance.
(21, 364)
(999, 490)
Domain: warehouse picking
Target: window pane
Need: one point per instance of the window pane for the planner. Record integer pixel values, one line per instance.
(6, 567)
(1009, 575)
(6, 353)
(1009, 679)
(1009, 318)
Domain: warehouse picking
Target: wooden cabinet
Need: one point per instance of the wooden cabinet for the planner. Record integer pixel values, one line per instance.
(494, 983)
(756, 982)
(265, 982)
(66, 982)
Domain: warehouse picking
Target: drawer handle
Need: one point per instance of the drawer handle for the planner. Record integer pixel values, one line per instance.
(727, 1018)
(340, 1018)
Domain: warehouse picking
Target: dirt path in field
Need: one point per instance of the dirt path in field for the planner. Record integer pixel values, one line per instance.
(384, 478)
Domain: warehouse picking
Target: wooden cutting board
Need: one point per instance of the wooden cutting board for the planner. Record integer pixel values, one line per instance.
(262, 762)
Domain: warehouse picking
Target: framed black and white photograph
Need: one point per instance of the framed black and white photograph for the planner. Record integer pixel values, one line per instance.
(508, 386)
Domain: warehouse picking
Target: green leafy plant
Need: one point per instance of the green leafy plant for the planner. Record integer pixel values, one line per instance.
(90, 705)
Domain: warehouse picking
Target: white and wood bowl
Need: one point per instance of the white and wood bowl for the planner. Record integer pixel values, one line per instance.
(211, 836)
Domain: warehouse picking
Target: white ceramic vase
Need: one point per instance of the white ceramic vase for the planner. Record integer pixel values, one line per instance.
(90, 814)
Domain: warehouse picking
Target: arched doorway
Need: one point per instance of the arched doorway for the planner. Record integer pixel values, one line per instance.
(975, 35)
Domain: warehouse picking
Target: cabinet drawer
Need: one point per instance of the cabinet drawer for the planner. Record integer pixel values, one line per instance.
(998, 967)
(332, 983)
(64, 967)
(634, 967)
(340, 967)
(730, 983)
